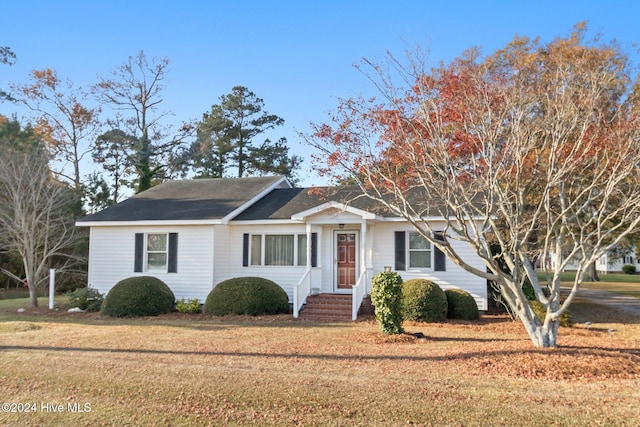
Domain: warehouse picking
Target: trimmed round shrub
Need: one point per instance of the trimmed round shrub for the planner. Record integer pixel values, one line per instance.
(423, 301)
(138, 296)
(629, 269)
(246, 295)
(461, 305)
(386, 298)
(566, 319)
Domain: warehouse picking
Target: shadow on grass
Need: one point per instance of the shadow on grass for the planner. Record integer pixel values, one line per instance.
(568, 351)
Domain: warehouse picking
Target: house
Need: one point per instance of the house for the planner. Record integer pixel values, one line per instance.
(192, 234)
(610, 262)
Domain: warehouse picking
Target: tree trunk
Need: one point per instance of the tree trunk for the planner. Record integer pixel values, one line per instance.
(33, 296)
(593, 273)
(540, 335)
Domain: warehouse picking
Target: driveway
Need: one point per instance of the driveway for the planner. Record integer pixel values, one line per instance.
(612, 299)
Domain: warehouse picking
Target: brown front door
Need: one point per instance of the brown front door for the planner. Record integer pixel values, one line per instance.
(346, 260)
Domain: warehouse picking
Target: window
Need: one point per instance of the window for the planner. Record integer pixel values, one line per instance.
(419, 251)
(412, 251)
(156, 251)
(302, 249)
(278, 249)
(256, 249)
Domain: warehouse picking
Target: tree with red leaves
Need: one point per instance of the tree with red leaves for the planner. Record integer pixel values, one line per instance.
(534, 148)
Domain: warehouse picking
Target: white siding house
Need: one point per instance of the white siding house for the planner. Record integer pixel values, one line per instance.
(194, 234)
(611, 262)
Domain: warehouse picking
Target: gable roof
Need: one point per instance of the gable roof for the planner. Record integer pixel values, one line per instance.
(216, 200)
(285, 203)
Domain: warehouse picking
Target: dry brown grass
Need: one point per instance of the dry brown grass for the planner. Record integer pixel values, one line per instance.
(193, 370)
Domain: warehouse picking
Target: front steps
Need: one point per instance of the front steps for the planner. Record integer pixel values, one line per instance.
(331, 308)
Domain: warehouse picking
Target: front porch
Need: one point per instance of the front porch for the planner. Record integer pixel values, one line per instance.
(339, 262)
(333, 308)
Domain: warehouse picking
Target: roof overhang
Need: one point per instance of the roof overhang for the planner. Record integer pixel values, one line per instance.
(328, 206)
(148, 223)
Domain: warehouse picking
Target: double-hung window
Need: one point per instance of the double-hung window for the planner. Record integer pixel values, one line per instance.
(156, 252)
(414, 252)
(419, 251)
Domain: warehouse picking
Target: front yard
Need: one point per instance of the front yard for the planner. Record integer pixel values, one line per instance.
(83, 369)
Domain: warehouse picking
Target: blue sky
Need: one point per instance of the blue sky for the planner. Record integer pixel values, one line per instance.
(298, 56)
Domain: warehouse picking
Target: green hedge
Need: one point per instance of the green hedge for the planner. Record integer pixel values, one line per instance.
(461, 305)
(246, 295)
(423, 301)
(138, 296)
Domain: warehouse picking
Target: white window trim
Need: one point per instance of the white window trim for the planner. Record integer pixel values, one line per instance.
(409, 250)
(296, 249)
(163, 269)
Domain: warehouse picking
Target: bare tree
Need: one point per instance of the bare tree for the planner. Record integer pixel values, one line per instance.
(534, 148)
(137, 89)
(66, 123)
(36, 218)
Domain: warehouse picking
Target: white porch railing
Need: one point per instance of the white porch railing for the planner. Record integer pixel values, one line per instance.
(359, 291)
(300, 292)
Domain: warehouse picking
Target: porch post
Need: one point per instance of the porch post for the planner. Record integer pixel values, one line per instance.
(308, 246)
(363, 246)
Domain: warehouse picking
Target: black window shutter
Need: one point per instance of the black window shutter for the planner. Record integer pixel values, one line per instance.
(400, 251)
(314, 249)
(173, 253)
(245, 250)
(439, 259)
(139, 253)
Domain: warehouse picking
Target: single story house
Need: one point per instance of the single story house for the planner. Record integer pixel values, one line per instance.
(610, 262)
(193, 234)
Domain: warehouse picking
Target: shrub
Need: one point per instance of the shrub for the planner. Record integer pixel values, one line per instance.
(423, 301)
(87, 299)
(565, 320)
(386, 298)
(461, 305)
(246, 295)
(191, 306)
(138, 296)
(629, 269)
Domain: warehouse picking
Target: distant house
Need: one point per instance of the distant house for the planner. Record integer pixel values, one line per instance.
(611, 262)
(192, 234)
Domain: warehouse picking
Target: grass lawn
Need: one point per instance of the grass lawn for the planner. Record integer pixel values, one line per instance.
(191, 370)
(627, 284)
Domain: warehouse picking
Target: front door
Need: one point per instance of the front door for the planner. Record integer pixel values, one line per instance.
(346, 260)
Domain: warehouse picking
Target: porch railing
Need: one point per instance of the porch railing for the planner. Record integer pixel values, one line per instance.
(359, 291)
(300, 292)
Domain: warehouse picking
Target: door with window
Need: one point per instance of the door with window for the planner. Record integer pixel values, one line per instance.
(346, 261)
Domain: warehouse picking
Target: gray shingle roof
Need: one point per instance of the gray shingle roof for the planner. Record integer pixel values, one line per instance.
(283, 203)
(198, 199)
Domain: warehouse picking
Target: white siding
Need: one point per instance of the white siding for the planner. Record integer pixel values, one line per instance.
(210, 254)
(286, 277)
(111, 258)
(453, 277)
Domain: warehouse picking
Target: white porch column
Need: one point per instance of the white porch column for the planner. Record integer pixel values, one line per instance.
(308, 245)
(363, 246)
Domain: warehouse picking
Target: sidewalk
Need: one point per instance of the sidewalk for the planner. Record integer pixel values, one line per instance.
(611, 299)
